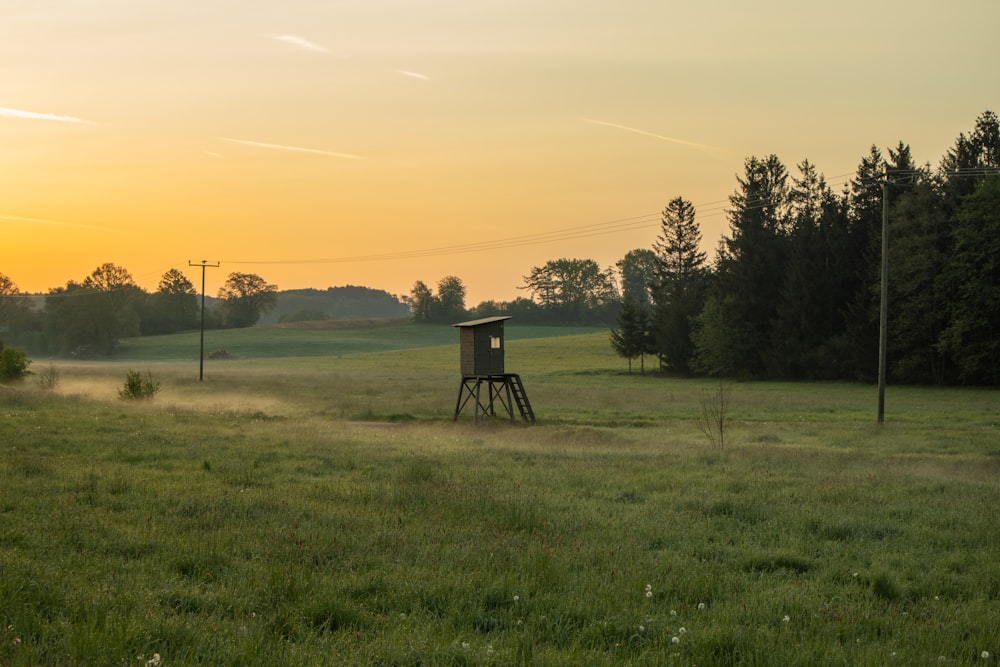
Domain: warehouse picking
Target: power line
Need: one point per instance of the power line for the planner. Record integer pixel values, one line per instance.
(706, 210)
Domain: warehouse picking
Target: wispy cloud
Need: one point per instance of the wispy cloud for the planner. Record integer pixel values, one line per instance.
(6, 112)
(54, 223)
(294, 149)
(414, 75)
(673, 140)
(301, 43)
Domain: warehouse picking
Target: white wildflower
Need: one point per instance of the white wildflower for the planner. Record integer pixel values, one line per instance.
(154, 661)
(785, 619)
(701, 606)
(985, 655)
(675, 640)
(682, 631)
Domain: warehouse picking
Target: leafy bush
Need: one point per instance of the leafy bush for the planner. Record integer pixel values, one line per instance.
(13, 364)
(137, 387)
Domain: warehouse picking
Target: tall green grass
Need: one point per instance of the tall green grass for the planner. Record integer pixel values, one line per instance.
(327, 510)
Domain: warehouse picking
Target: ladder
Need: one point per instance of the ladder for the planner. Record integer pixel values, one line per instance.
(520, 397)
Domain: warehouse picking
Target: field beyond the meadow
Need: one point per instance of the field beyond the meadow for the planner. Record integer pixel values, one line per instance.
(312, 502)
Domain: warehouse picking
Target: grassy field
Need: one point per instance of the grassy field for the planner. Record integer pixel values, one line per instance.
(309, 508)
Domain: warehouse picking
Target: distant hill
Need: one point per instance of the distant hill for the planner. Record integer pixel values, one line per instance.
(350, 302)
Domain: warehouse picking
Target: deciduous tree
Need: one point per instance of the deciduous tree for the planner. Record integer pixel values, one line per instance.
(421, 302)
(8, 300)
(89, 318)
(172, 307)
(245, 297)
(573, 290)
(450, 300)
(638, 271)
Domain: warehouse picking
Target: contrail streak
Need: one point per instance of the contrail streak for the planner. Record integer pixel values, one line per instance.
(58, 223)
(415, 75)
(294, 149)
(7, 112)
(301, 43)
(644, 133)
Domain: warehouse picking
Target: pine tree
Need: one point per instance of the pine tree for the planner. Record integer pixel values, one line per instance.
(862, 202)
(972, 337)
(680, 285)
(630, 339)
(734, 332)
(816, 287)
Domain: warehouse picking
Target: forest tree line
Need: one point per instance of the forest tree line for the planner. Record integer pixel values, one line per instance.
(794, 289)
(88, 318)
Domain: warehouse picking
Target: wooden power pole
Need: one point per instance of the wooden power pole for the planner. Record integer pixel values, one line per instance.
(201, 357)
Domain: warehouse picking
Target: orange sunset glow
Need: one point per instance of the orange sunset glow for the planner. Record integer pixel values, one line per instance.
(380, 142)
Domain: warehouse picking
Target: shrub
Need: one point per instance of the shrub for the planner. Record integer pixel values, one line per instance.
(137, 387)
(13, 364)
(48, 378)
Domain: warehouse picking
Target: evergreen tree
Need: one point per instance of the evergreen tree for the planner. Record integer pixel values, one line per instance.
(733, 335)
(631, 339)
(817, 283)
(972, 337)
(679, 287)
(862, 201)
(919, 295)
(972, 159)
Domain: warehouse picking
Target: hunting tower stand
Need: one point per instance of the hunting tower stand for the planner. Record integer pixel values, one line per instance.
(481, 344)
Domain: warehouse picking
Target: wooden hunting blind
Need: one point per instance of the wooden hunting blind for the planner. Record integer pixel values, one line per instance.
(482, 363)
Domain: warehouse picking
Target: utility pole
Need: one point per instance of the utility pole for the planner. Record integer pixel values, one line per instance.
(883, 317)
(201, 357)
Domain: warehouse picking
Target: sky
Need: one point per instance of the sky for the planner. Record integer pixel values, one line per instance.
(321, 143)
